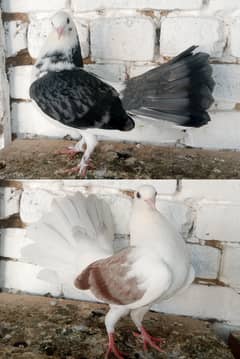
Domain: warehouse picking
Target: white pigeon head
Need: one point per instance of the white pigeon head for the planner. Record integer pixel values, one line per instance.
(61, 51)
(146, 194)
(63, 25)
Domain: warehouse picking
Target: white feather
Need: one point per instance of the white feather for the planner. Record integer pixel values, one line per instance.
(77, 231)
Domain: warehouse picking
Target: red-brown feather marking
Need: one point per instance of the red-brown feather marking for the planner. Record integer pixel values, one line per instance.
(107, 280)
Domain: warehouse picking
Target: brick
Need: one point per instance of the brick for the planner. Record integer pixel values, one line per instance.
(221, 6)
(122, 39)
(9, 201)
(173, 37)
(234, 37)
(216, 221)
(213, 190)
(16, 37)
(205, 260)
(227, 83)
(200, 301)
(20, 81)
(84, 5)
(27, 281)
(213, 135)
(12, 241)
(33, 6)
(230, 266)
(40, 27)
(178, 213)
(108, 72)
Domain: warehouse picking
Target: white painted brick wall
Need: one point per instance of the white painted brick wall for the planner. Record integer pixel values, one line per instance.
(234, 36)
(16, 37)
(9, 201)
(202, 210)
(5, 127)
(84, 5)
(207, 302)
(230, 268)
(227, 78)
(206, 261)
(122, 38)
(224, 224)
(29, 5)
(223, 131)
(178, 33)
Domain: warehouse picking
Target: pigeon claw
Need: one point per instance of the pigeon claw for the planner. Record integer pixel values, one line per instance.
(71, 152)
(112, 348)
(149, 340)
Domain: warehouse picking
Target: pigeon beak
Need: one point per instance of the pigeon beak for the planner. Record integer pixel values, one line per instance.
(151, 203)
(60, 31)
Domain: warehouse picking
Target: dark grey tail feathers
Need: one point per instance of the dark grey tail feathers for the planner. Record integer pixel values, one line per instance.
(179, 91)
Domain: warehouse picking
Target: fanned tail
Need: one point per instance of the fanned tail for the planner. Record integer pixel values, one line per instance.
(77, 231)
(179, 91)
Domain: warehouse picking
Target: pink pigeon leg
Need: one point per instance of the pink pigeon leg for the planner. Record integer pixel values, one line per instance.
(149, 340)
(112, 348)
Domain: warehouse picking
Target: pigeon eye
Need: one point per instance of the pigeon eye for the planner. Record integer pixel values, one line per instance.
(138, 195)
(68, 21)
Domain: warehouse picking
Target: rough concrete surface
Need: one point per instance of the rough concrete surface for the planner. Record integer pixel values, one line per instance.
(36, 158)
(33, 327)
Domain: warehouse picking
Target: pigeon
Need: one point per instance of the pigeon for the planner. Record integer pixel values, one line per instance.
(179, 91)
(75, 240)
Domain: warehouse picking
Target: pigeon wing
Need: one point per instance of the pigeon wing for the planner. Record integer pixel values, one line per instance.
(74, 98)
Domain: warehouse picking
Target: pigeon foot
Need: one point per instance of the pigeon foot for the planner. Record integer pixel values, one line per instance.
(80, 169)
(149, 340)
(112, 348)
(70, 151)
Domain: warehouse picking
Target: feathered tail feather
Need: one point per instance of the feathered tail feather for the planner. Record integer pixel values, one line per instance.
(77, 231)
(179, 91)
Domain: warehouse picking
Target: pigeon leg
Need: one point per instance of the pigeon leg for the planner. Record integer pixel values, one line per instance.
(91, 143)
(112, 317)
(149, 340)
(137, 317)
(112, 348)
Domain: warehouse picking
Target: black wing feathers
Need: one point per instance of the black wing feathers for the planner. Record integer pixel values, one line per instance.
(81, 100)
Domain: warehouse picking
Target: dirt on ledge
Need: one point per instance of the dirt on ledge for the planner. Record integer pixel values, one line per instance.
(36, 158)
(33, 327)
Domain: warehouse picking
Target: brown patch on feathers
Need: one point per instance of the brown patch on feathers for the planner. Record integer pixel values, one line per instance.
(107, 280)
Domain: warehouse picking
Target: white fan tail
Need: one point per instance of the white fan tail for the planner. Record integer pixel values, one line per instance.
(75, 232)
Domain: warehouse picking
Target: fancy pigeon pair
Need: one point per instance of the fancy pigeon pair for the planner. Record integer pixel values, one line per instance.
(73, 243)
(179, 91)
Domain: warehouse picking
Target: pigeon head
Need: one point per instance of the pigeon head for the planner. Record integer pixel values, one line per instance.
(62, 50)
(63, 25)
(146, 195)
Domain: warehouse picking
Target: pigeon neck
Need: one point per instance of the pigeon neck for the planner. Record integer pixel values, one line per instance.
(62, 56)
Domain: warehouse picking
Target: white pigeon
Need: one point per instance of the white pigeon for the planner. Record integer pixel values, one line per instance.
(179, 91)
(78, 245)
